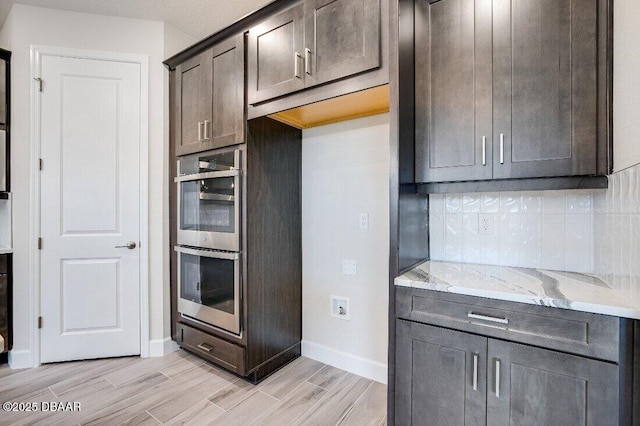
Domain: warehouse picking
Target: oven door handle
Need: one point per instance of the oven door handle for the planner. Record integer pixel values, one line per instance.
(208, 253)
(207, 175)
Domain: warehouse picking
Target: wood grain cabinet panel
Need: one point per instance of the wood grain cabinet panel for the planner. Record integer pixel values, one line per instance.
(275, 56)
(3, 92)
(545, 87)
(342, 38)
(436, 370)
(448, 377)
(315, 42)
(509, 89)
(540, 387)
(210, 109)
(453, 90)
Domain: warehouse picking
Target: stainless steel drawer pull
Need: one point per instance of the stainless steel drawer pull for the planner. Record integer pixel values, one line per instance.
(497, 378)
(199, 130)
(488, 318)
(484, 150)
(501, 148)
(475, 372)
(296, 65)
(205, 347)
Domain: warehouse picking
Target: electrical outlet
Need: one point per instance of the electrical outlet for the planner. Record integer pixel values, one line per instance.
(363, 221)
(339, 307)
(486, 224)
(349, 267)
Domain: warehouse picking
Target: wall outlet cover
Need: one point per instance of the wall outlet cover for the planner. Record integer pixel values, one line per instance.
(349, 267)
(363, 221)
(486, 224)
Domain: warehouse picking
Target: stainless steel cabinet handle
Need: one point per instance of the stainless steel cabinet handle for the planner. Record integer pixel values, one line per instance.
(488, 318)
(130, 245)
(307, 61)
(199, 130)
(484, 150)
(497, 378)
(205, 347)
(501, 148)
(206, 130)
(475, 372)
(296, 59)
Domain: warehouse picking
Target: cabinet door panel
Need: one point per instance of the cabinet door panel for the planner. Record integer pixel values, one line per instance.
(538, 386)
(545, 99)
(275, 54)
(434, 376)
(453, 90)
(193, 105)
(342, 38)
(4, 311)
(227, 103)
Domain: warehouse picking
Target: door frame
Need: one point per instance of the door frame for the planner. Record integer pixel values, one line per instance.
(37, 52)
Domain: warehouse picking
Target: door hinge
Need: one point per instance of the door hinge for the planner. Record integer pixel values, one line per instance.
(39, 80)
(40, 243)
(40, 163)
(39, 322)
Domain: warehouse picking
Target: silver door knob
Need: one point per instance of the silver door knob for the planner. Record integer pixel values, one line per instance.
(130, 245)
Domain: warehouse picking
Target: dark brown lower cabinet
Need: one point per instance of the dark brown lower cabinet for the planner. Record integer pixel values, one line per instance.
(5, 305)
(448, 377)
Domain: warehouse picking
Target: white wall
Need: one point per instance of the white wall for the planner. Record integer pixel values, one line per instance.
(345, 172)
(28, 26)
(626, 84)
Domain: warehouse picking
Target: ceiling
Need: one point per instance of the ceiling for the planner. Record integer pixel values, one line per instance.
(198, 18)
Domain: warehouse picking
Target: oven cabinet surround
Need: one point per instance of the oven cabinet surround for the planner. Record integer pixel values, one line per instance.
(315, 42)
(271, 261)
(209, 106)
(511, 89)
(550, 366)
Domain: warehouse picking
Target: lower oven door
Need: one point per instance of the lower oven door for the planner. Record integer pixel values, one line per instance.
(209, 287)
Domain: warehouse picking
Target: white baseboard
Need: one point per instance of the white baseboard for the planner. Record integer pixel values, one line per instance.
(345, 361)
(20, 359)
(162, 347)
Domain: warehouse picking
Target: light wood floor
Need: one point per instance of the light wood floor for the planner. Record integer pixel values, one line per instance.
(182, 389)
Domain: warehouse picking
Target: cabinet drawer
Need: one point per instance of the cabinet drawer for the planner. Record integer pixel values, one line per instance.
(219, 351)
(576, 332)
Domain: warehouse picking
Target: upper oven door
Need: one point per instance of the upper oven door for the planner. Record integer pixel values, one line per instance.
(209, 209)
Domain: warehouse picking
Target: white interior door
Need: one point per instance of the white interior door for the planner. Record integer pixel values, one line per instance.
(90, 192)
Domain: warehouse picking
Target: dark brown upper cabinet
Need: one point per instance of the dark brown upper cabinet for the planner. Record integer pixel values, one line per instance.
(3, 91)
(509, 89)
(210, 105)
(313, 43)
(453, 90)
(275, 56)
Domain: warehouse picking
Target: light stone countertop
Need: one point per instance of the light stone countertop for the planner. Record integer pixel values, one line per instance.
(567, 290)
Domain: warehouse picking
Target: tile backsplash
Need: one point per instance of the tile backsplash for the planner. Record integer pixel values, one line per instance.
(617, 229)
(545, 229)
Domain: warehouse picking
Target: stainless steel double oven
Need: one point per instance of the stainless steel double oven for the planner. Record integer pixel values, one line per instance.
(209, 218)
